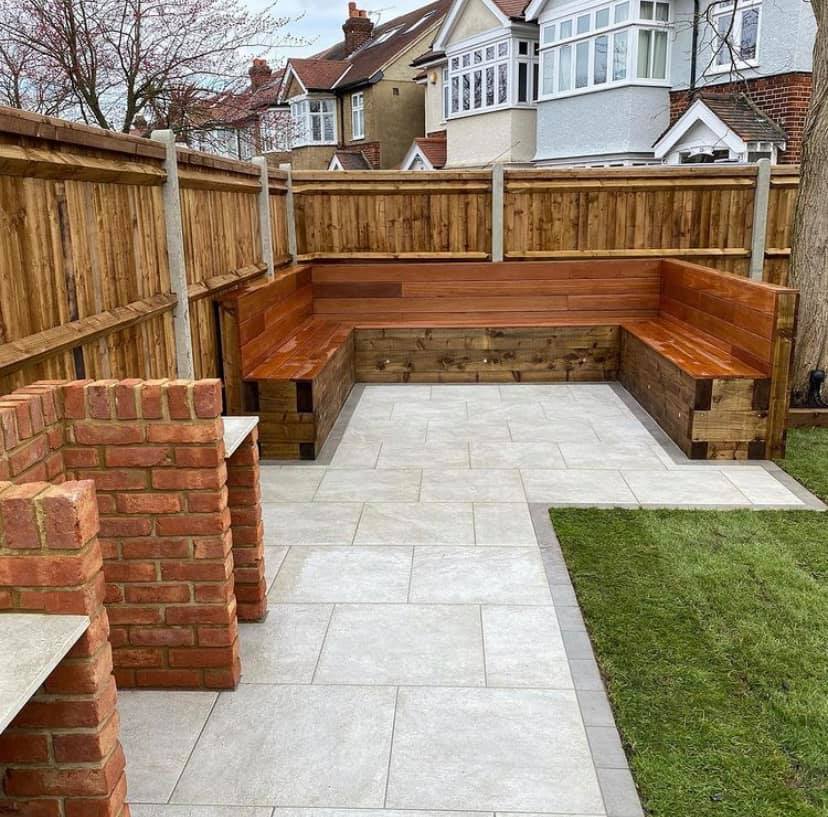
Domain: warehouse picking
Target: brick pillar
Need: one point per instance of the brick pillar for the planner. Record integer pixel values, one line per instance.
(248, 530)
(61, 756)
(156, 454)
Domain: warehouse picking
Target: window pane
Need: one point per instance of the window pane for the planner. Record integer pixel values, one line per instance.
(478, 89)
(583, 24)
(502, 49)
(329, 127)
(490, 53)
(602, 18)
(548, 72)
(523, 47)
(724, 27)
(549, 34)
(490, 86)
(750, 30)
(316, 128)
(599, 69)
(581, 65)
(455, 63)
(619, 55)
(466, 92)
(646, 10)
(622, 12)
(315, 107)
(523, 82)
(466, 60)
(566, 29)
(644, 39)
(535, 72)
(502, 83)
(565, 68)
(660, 55)
(455, 94)
(478, 56)
(662, 12)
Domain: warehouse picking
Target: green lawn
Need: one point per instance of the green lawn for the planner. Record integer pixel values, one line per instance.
(711, 629)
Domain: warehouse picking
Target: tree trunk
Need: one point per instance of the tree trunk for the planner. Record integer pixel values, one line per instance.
(809, 246)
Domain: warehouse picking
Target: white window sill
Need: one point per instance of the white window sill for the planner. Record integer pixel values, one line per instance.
(719, 70)
(520, 106)
(608, 86)
(315, 145)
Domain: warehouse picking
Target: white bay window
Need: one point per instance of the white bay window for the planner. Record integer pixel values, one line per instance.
(610, 44)
(314, 121)
(490, 76)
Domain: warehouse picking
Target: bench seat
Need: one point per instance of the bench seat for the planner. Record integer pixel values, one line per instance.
(697, 348)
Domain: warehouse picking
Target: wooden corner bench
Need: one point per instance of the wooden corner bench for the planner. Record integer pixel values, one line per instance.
(706, 353)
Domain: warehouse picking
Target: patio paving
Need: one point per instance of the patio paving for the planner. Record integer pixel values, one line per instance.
(424, 654)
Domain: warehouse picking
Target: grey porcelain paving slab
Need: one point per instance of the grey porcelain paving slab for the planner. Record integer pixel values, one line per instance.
(488, 412)
(158, 732)
(416, 523)
(345, 812)
(760, 487)
(293, 746)
(370, 430)
(448, 410)
(310, 523)
(458, 485)
(289, 483)
(363, 485)
(524, 648)
(356, 455)
(376, 393)
(485, 454)
(469, 392)
(610, 456)
(577, 487)
(474, 429)
(284, 648)
(491, 749)
(148, 810)
(503, 523)
(694, 487)
(350, 574)
(552, 431)
(274, 556)
(431, 455)
(478, 575)
(403, 644)
(535, 392)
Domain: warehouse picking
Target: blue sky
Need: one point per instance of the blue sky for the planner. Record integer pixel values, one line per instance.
(323, 19)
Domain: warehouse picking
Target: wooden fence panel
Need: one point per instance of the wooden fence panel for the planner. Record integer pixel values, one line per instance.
(782, 200)
(81, 233)
(220, 220)
(400, 214)
(278, 181)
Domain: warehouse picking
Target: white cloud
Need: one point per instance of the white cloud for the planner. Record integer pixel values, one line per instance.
(321, 23)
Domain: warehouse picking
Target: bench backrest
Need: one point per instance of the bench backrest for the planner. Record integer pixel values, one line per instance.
(736, 314)
(597, 291)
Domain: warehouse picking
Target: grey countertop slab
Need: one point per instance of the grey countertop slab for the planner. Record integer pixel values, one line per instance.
(31, 646)
(235, 430)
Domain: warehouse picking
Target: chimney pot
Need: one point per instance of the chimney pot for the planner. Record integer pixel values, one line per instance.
(358, 28)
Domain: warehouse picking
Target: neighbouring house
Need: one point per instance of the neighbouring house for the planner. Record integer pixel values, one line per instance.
(481, 80)
(618, 82)
(634, 81)
(357, 105)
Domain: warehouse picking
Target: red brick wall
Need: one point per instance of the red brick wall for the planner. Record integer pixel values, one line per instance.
(783, 97)
(155, 452)
(245, 499)
(61, 756)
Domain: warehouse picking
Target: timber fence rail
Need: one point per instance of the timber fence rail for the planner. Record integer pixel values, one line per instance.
(104, 236)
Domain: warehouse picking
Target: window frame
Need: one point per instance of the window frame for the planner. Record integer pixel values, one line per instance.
(482, 76)
(722, 10)
(358, 115)
(303, 120)
(624, 21)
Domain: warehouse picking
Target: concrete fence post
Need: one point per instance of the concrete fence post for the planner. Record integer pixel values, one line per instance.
(498, 184)
(290, 219)
(264, 215)
(760, 219)
(175, 255)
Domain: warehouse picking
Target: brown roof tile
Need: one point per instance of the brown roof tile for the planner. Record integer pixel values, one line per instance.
(743, 117)
(352, 160)
(512, 8)
(434, 148)
(319, 74)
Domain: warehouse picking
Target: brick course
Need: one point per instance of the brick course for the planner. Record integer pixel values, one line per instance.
(783, 97)
(175, 533)
(61, 756)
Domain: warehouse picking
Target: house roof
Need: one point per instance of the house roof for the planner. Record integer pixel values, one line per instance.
(335, 69)
(434, 149)
(512, 8)
(429, 56)
(743, 117)
(352, 160)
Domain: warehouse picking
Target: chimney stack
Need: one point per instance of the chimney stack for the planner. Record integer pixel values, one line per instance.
(358, 28)
(260, 73)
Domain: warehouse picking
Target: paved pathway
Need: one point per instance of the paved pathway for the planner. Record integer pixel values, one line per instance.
(424, 650)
